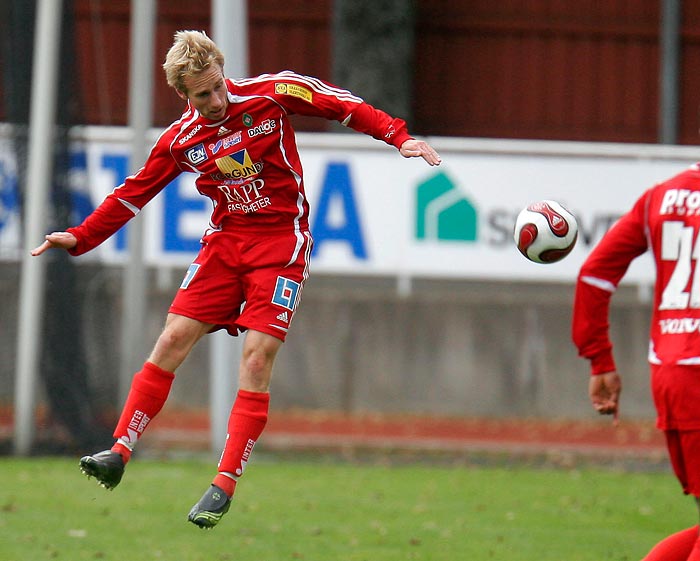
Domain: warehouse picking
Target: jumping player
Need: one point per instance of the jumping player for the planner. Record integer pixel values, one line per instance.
(665, 220)
(236, 135)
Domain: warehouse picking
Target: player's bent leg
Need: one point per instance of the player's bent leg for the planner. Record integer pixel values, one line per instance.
(684, 453)
(676, 547)
(149, 391)
(694, 554)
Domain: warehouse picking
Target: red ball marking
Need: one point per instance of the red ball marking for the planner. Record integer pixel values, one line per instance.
(527, 235)
(557, 223)
(554, 255)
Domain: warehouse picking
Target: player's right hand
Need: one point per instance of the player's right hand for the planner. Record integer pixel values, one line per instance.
(61, 240)
(604, 391)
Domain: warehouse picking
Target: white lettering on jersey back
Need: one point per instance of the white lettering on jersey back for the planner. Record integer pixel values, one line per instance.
(679, 326)
(682, 202)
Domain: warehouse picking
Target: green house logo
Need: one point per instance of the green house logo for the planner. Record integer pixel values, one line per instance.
(443, 212)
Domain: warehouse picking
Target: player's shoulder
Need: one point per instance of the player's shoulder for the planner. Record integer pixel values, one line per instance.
(276, 83)
(268, 78)
(180, 130)
(678, 195)
(687, 179)
(288, 83)
(284, 87)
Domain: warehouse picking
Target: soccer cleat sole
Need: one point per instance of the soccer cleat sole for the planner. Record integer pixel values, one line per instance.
(210, 508)
(90, 468)
(100, 483)
(207, 520)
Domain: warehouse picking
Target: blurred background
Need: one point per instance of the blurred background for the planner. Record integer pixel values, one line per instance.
(584, 102)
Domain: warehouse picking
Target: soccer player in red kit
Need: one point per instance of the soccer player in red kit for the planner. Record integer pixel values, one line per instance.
(254, 258)
(665, 220)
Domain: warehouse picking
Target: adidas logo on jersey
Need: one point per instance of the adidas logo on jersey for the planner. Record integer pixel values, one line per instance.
(283, 317)
(222, 131)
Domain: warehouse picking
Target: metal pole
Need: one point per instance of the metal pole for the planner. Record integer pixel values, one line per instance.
(140, 119)
(668, 72)
(47, 40)
(230, 30)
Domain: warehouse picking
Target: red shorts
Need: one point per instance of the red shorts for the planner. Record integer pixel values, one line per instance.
(684, 451)
(246, 281)
(676, 392)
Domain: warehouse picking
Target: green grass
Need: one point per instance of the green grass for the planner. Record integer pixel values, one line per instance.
(289, 510)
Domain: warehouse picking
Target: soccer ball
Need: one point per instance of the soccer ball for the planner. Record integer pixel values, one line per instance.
(545, 232)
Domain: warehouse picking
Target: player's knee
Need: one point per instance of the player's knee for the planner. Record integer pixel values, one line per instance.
(259, 352)
(175, 341)
(256, 370)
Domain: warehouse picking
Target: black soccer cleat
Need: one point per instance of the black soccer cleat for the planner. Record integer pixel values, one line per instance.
(107, 467)
(210, 508)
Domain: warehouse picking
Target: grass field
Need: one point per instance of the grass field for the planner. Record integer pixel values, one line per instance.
(332, 511)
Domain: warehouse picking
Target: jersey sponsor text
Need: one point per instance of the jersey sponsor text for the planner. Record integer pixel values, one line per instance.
(682, 202)
(679, 325)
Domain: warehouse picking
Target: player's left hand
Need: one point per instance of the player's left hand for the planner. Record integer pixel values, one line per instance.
(413, 148)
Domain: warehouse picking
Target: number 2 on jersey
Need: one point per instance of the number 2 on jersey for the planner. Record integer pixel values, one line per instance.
(679, 244)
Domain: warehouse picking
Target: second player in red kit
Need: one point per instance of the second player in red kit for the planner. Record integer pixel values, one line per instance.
(664, 220)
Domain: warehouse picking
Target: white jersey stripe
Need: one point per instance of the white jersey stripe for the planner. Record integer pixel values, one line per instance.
(313, 83)
(599, 283)
(185, 123)
(132, 208)
(321, 87)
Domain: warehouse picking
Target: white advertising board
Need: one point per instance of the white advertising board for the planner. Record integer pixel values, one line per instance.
(376, 213)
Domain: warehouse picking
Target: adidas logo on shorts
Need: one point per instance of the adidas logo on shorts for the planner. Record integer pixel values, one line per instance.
(283, 317)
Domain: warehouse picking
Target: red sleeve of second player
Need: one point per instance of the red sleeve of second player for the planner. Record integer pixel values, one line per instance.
(598, 280)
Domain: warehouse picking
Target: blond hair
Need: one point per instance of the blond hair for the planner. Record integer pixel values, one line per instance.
(191, 53)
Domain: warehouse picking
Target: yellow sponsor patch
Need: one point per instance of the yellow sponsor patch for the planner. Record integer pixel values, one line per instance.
(238, 165)
(295, 90)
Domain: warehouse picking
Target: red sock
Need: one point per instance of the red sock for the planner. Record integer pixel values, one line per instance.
(245, 424)
(123, 451)
(695, 552)
(149, 390)
(676, 547)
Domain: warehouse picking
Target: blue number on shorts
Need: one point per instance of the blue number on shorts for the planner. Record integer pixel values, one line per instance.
(189, 275)
(286, 292)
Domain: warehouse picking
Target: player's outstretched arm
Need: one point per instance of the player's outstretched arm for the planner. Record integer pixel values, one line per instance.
(604, 391)
(61, 240)
(413, 148)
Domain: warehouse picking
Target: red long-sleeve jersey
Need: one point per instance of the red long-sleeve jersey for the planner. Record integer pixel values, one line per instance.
(666, 220)
(247, 162)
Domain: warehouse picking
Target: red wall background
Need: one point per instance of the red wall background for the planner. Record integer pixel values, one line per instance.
(540, 69)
